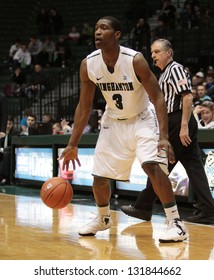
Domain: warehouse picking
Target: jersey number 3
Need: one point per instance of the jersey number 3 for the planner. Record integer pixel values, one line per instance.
(118, 101)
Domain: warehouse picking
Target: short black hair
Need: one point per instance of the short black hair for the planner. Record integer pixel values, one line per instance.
(115, 23)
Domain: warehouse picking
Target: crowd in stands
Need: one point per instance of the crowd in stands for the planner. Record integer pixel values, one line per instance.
(203, 93)
(51, 47)
(49, 21)
(192, 15)
(29, 125)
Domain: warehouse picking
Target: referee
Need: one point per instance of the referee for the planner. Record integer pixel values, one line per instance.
(175, 83)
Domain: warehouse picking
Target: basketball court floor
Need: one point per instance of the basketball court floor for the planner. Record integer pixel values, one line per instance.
(29, 230)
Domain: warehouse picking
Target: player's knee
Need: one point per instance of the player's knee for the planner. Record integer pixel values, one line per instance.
(150, 169)
(100, 182)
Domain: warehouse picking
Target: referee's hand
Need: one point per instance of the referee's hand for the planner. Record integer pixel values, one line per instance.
(184, 136)
(165, 146)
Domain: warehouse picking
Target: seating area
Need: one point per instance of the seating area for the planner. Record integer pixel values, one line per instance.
(193, 47)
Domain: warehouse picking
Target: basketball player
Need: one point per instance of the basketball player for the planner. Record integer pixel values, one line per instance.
(176, 86)
(129, 126)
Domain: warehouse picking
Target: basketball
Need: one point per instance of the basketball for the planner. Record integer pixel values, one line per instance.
(56, 193)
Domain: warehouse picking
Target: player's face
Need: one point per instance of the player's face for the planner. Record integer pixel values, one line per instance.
(104, 34)
(160, 56)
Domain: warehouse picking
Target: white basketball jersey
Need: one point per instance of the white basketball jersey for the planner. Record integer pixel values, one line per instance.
(125, 96)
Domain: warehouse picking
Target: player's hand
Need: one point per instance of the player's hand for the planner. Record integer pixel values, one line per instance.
(70, 153)
(165, 146)
(184, 136)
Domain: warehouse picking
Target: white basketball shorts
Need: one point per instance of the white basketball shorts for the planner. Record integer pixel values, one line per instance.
(121, 141)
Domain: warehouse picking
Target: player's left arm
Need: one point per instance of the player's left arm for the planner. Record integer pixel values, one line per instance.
(150, 83)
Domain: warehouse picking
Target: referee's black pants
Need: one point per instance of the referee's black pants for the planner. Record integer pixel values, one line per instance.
(191, 159)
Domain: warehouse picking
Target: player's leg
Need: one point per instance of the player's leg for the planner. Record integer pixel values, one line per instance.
(102, 194)
(112, 159)
(175, 230)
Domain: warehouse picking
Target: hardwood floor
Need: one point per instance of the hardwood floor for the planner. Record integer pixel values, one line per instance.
(29, 230)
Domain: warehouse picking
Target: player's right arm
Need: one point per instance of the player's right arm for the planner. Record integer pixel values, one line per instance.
(81, 117)
(150, 83)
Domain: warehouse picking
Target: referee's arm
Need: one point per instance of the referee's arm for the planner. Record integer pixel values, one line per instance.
(187, 100)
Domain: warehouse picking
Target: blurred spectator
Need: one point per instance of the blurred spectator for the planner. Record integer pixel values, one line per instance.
(207, 20)
(86, 35)
(93, 125)
(74, 35)
(161, 30)
(141, 36)
(210, 90)
(62, 127)
(168, 13)
(22, 59)
(43, 22)
(209, 81)
(37, 86)
(47, 118)
(35, 47)
(199, 78)
(19, 82)
(31, 125)
(62, 52)
(13, 49)
(87, 129)
(196, 20)
(186, 16)
(56, 21)
(57, 128)
(202, 93)
(192, 16)
(5, 153)
(66, 128)
(204, 114)
(48, 51)
(194, 81)
(196, 98)
(23, 122)
(210, 70)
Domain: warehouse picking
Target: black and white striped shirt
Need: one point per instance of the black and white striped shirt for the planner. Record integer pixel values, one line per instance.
(174, 81)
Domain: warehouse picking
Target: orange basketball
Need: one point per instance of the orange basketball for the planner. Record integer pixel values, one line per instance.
(56, 192)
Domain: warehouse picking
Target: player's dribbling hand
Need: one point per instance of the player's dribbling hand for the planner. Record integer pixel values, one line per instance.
(70, 153)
